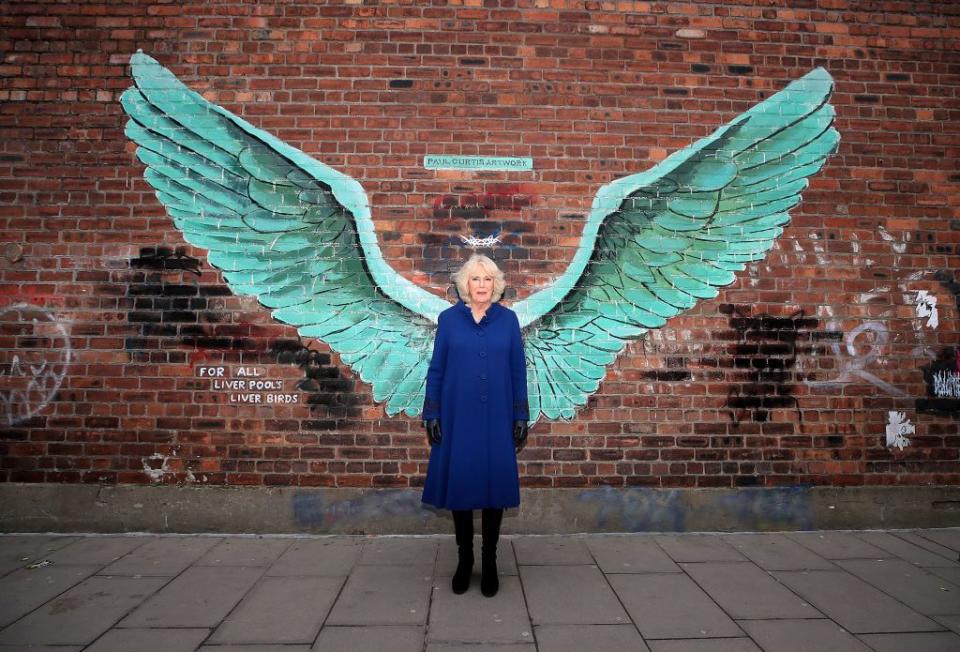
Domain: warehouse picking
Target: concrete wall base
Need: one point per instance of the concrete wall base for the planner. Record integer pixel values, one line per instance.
(190, 509)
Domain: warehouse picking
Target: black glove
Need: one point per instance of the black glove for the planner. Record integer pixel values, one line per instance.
(433, 431)
(520, 428)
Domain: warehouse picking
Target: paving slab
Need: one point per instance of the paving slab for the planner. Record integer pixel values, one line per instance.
(932, 546)
(855, 605)
(948, 538)
(369, 637)
(919, 642)
(163, 556)
(483, 647)
(704, 645)
(98, 550)
(40, 648)
(149, 640)
(390, 587)
(837, 545)
(280, 610)
(24, 590)
(333, 557)
(596, 638)
(777, 552)
(570, 595)
(915, 587)
(697, 547)
(474, 618)
(83, 613)
(447, 558)
(949, 573)
(255, 648)
(400, 551)
(384, 595)
(17, 551)
(745, 591)
(630, 554)
(541, 550)
(201, 596)
(802, 635)
(950, 622)
(670, 605)
(245, 551)
(906, 550)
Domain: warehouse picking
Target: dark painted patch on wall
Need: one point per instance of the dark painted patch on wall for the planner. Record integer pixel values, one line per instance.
(763, 358)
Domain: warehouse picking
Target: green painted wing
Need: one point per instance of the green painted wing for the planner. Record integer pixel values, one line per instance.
(658, 242)
(286, 229)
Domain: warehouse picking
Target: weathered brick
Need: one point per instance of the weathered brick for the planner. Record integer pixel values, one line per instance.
(787, 377)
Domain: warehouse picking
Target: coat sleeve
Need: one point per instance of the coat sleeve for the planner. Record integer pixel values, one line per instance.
(438, 362)
(518, 374)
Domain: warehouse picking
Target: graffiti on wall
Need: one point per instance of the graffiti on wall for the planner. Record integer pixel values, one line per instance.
(480, 205)
(298, 235)
(764, 357)
(864, 350)
(898, 427)
(163, 259)
(322, 381)
(942, 374)
(942, 378)
(859, 351)
(32, 371)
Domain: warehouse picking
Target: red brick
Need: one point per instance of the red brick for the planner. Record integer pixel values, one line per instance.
(683, 408)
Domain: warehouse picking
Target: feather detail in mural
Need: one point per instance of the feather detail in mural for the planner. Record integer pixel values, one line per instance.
(658, 242)
(286, 229)
(297, 235)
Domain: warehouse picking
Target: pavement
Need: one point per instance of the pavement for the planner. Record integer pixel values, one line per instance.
(810, 591)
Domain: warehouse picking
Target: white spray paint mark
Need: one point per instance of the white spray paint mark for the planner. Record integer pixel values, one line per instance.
(35, 374)
(854, 361)
(875, 293)
(156, 474)
(898, 427)
(818, 250)
(661, 340)
(802, 257)
(909, 297)
(898, 246)
(946, 384)
(927, 307)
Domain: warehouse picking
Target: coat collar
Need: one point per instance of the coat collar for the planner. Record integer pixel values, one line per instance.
(493, 312)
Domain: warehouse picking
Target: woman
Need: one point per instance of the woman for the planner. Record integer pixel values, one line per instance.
(475, 413)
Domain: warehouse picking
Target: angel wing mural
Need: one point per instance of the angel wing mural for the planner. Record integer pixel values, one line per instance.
(298, 235)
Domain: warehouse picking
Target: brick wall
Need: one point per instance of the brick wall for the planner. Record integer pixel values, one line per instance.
(112, 328)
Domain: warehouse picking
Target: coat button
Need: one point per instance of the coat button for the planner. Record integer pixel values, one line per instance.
(483, 354)
(483, 376)
(483, 398)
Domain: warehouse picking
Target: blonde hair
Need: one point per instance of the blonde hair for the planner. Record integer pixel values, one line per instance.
(462, 275)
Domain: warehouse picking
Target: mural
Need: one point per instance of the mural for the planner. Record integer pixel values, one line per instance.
(32, 371)
(298, 235)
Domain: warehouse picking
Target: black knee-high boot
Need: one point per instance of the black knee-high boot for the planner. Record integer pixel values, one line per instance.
(463, 528)
(490, 527)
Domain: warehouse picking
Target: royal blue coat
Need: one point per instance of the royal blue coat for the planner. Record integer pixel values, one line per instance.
(477, 387)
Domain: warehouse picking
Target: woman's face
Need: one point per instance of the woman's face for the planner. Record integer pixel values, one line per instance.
(480, 285)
